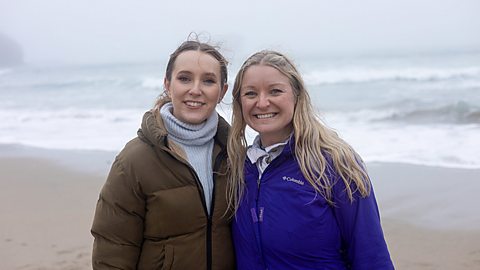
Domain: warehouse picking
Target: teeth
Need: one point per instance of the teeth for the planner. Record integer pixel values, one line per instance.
(263, 116)
(193, 103)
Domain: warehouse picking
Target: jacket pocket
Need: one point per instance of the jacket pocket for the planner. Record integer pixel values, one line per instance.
(169, 255)
(174, 212)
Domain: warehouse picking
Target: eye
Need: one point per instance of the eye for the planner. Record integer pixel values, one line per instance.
(210, 81)
(183, 78)
(276, 91)
(249, 94)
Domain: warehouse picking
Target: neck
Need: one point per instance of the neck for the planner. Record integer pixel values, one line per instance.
(270, 139)
(188, 134)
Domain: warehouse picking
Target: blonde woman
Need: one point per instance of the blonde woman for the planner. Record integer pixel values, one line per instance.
(302, 196)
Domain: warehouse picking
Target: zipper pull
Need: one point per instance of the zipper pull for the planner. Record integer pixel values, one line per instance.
(257, 218)
(253, 211)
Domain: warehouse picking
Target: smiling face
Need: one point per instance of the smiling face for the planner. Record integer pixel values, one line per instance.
(195, 87)
(268, 103)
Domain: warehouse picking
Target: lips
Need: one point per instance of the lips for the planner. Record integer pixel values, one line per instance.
(265, 115)
(194, 103)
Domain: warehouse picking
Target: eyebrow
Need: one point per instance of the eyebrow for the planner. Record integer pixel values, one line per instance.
(203, 74)
(278, 84)
(270, 85)
(210, 74)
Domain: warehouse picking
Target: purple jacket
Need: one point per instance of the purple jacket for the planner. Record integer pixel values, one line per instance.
(283, 224)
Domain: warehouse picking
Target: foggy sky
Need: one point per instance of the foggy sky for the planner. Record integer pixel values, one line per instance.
(96, 31)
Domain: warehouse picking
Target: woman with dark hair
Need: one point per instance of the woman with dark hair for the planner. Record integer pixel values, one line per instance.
(163, 204)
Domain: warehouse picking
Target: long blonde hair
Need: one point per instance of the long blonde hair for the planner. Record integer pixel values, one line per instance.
(313, 139)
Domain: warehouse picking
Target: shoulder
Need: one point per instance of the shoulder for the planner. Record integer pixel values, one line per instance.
(330, 168)
(135, 149)
(137, 156)
(223, 128)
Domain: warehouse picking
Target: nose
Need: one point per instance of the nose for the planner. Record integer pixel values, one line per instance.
(263, 101)
(196, 89)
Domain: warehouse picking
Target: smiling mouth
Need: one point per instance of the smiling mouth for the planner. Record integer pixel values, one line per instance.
(194, 103)
(265, 116)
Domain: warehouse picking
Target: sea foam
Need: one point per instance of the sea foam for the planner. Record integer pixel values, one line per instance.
(413, 111)
(368, 74)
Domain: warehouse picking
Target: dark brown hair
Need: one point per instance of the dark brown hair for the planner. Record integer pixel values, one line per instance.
(194, 45)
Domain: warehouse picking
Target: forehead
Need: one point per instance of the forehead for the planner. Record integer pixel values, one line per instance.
(264, 74)
(196, 61)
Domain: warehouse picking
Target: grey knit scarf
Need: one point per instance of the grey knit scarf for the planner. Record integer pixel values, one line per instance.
(197, 142)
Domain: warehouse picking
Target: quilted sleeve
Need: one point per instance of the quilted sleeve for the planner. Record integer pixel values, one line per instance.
(118, 222)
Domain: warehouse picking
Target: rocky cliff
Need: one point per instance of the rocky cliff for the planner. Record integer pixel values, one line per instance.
(11, 53)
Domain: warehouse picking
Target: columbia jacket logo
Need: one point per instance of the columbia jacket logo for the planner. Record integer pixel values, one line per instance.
(291, 179)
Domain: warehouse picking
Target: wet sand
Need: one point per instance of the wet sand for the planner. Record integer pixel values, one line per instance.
(430, 215)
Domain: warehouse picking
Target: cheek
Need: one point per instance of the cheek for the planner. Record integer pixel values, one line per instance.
(245, 110)
(214, 94)
(291, 108)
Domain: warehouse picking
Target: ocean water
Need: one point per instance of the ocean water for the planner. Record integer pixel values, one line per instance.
(411, 108)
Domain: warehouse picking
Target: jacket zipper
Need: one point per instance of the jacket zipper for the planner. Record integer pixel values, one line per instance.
(218, 160)
(260, 210)
(201, 192)
(209, 217)
(259, 213)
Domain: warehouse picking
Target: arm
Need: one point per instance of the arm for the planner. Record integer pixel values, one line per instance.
(118, 222)
(362, 235)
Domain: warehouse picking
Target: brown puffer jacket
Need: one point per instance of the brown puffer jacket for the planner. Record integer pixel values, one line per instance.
(151, 212)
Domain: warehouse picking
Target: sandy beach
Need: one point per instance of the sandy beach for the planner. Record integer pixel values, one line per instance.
(47, 201)
(430, 215)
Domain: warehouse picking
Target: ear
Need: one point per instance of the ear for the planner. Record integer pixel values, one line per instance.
(166, 84)
(223, 91)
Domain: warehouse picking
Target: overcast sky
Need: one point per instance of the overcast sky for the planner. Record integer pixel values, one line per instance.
(86, 31)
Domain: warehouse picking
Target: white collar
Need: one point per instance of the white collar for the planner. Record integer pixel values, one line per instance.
(256, 152)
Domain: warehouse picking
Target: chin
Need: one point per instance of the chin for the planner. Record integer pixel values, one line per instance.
(197, 121)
